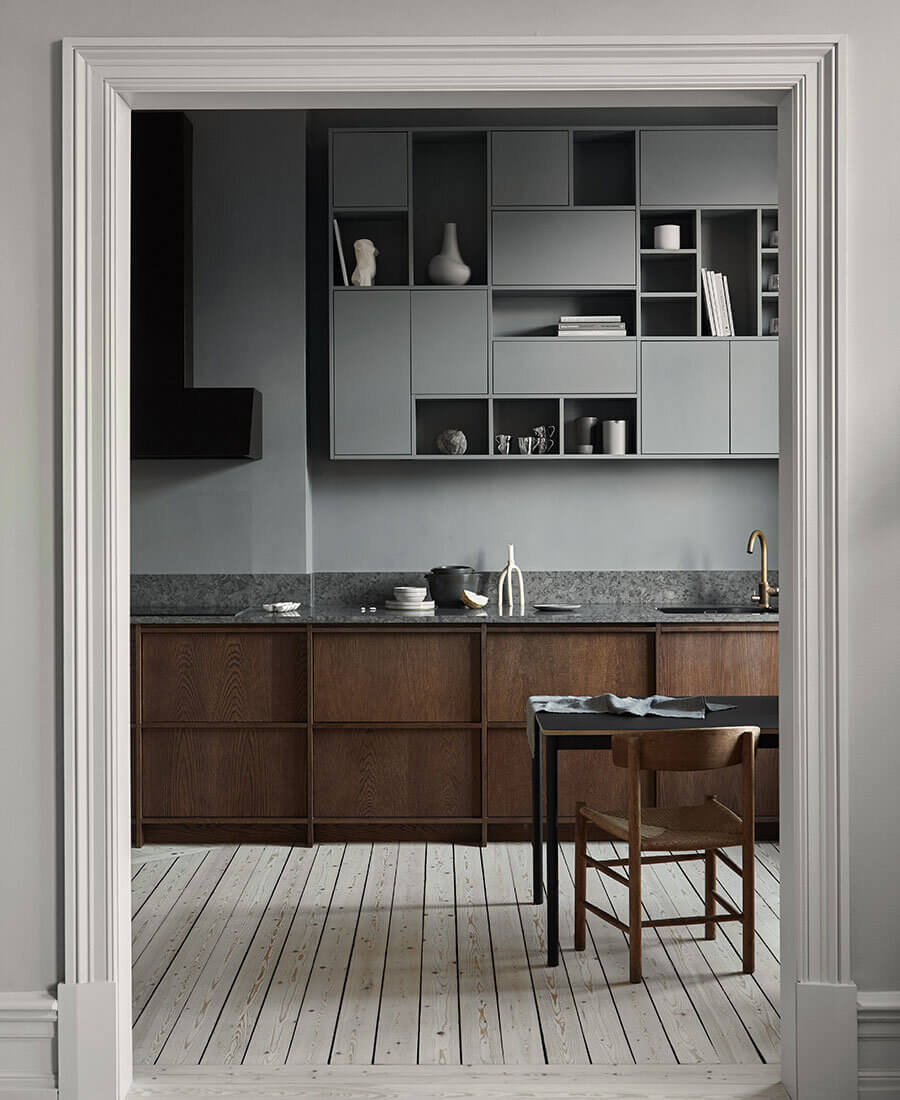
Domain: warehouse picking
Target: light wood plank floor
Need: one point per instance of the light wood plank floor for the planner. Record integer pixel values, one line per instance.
(406, 954)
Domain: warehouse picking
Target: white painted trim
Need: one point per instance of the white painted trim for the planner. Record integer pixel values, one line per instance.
(27, 1046)
(102, 77)
(89, 1024)
(879, 1043)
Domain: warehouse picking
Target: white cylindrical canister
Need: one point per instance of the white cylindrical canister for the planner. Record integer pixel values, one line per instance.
(667, 236)
(614, 437)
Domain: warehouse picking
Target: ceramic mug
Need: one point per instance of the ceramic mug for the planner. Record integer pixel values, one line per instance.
(773, 282)
(526, 444)
(667, 237)
(503, 442)
(773, 326)
(773, 239)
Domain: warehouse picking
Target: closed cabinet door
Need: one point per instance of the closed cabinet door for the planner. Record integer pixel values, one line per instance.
(449, 341)
(754, 397)
(530, 168)
(709, 167)
(563, 247)
(684, 397)
(372, 406)
(369, 169)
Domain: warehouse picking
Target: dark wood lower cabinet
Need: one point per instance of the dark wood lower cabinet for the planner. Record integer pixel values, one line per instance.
(243, 773)
(376, 773)
(295, 734)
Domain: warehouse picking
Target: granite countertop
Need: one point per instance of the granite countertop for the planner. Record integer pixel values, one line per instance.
(332, 614)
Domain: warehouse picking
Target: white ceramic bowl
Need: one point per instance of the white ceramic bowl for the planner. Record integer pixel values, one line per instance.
(409, 594)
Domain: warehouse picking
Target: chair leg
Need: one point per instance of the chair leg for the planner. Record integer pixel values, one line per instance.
(710, 909)
(580, 875)
(634, 913)
(748, 878)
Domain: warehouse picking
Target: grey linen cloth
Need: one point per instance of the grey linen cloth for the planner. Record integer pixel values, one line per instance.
(664, 706)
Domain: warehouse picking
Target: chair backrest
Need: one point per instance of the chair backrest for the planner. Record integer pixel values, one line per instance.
(684, 750)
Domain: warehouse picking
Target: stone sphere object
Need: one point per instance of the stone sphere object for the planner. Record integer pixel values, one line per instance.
(452, 441)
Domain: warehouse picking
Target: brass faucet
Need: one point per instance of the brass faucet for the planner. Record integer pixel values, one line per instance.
(765, 590)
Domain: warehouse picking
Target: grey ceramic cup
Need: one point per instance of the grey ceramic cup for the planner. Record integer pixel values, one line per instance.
(503, 442)
(526, 444)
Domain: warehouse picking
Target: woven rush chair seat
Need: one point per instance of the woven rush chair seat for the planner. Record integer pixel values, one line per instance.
(676, 828)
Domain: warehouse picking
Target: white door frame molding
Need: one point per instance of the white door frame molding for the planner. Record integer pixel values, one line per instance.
(102, 80)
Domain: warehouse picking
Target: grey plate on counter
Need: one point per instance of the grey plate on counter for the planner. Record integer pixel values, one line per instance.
(557, 606)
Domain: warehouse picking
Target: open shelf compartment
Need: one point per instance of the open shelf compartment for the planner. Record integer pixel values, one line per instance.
(467, 414)
(729, 245)
(685, 219)
(389, 232)
(518, 416)
(537, 312)
(449, 185)
(603, 164)
(603, 408)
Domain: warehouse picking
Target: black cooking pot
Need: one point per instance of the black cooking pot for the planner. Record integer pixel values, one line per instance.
(447, 583)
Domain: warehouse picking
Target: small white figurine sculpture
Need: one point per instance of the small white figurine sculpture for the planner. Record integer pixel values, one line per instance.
(364, 272)
(506, 578)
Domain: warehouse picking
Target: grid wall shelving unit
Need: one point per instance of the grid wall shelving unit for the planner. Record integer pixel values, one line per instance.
(552, 221)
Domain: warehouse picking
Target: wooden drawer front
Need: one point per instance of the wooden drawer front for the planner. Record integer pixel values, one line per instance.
(587, 776)
(224, 773)
(371, 773)
(415, 677)
(690, 788)
(733, 662)
(566, 366)
(563, 248)
(224, 677)
(587, 663)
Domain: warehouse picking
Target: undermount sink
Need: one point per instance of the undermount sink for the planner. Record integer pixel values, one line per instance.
(717, 609)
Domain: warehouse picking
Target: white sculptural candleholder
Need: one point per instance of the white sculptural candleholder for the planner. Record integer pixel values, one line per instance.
(506, 578)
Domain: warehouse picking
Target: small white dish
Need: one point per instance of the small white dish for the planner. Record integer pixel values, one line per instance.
(281, 608)
(557, 606)
(419, 605)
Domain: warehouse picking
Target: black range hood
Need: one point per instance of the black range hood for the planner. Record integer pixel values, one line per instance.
(169, 417)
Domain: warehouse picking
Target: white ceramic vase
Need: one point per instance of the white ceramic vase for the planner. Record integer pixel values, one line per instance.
(447, 267)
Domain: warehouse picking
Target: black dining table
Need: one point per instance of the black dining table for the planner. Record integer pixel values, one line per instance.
(557, 732)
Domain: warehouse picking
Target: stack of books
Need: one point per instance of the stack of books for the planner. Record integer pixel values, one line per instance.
(718, 302)
(586, 325)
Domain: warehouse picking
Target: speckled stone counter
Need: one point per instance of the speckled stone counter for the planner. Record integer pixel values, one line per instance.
(326, 614)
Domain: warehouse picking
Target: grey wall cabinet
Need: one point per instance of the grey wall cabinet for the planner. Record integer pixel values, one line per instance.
(565, 366)
(709, 167)
(684, 397)
(754, 397)
(530, 167)
(371, 373)
(554, 222)
(563, 247)
(369, 169)
(449, 341)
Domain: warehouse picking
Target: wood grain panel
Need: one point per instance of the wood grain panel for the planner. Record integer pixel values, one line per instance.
(224, 773)
(720, 662)
(520, 664)
(587, 776)
(378, 773)
(732, 662)
(421, 676)
(223, 676)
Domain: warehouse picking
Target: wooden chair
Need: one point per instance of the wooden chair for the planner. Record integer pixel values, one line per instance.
(708, 827)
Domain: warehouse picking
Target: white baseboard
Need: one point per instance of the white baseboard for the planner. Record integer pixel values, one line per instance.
(27, 1046)
(88, 1041)
(878, 1015)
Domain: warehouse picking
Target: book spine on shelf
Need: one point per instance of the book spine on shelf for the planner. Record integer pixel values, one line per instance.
(723, 306)
(728, 306)
(586, 318)
(340, 249)
(592, 332)
(709, 301)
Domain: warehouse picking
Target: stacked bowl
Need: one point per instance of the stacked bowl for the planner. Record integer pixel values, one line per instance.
(409, 598)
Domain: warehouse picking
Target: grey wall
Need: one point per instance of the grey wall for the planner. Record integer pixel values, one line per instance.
(249, 330)
(29, 414)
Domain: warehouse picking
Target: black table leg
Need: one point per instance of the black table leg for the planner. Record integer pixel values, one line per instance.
(537, 821)
(552, 857)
